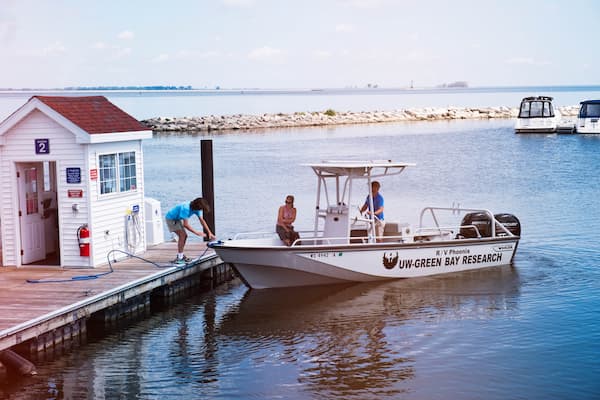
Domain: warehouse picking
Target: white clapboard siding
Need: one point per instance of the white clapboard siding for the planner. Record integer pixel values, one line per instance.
(110, 211)
(77, 136)
(19, 147)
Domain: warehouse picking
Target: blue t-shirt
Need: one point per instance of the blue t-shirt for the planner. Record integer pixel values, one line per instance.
(181, 211)
(377, 204)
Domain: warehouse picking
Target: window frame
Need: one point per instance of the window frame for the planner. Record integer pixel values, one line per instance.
(122, 173)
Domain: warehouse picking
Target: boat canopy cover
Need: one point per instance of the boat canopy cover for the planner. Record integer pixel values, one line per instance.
(359, 168)
(538, 98)
(590, 102)
(589, 109)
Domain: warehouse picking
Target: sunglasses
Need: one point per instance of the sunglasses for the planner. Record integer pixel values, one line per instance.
(289, 202)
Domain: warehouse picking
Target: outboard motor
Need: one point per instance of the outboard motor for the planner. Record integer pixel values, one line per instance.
(510, 222)
(479, 220)
(483, 224)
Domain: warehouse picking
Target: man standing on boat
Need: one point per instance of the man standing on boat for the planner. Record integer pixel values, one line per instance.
(377, 199)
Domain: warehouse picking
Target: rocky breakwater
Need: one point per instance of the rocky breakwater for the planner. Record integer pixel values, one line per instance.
(328, 117)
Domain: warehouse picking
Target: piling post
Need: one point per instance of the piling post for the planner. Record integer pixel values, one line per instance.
(208, 187)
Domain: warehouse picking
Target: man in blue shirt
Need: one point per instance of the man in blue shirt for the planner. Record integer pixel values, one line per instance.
(177, 222)
(378, 206)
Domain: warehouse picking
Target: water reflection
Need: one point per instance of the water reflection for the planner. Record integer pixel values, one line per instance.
(348, 340)
(342, 341)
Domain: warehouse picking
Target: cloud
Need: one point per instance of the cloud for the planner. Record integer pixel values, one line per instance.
(7, 30)
(322, 54)
(520, 60)
(362, 4)
(121, 52)
(343, 28)
(126, 35)
(413, 36)
(265, 53)
(238, 3)
(115, 51)
(200, 55)
(160, 58)
(526, 61)
(100, 45)
(54, 48)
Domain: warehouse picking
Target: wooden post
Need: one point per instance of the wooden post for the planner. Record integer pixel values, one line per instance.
(208, 187)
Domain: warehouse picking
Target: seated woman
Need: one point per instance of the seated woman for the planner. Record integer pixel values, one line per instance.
(285, 218)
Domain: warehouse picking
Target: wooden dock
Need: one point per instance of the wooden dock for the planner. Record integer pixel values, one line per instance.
(42, 315)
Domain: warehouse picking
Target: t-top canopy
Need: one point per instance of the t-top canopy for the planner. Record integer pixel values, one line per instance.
(357, 169)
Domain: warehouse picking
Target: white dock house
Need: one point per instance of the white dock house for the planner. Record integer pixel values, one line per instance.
(70, 167)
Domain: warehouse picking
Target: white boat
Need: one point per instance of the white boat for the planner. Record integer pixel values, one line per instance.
(344, 248)
(588, 117)
(537, 115)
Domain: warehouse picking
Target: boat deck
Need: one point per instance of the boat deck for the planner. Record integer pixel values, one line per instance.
(29, 310)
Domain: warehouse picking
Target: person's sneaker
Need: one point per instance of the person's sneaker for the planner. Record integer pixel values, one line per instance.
(178, 261)
(186, 259)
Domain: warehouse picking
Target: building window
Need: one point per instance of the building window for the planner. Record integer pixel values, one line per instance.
(117, 172)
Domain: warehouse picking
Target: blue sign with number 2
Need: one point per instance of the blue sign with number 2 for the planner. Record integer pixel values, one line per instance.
(42, 146)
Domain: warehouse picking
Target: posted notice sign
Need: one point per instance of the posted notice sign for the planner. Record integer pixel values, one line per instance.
(77, 193)
(74, 175)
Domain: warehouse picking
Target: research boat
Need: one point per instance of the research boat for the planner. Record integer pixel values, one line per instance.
(537, 115)
(344, 248)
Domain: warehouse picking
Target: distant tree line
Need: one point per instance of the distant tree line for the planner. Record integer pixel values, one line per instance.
(157, 87)
(457, 84)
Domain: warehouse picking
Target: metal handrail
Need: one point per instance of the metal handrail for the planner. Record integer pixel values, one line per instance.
(494, 221)
(254, 235)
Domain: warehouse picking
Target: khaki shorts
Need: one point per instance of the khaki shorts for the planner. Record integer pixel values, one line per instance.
(379, 227)
(174, 225)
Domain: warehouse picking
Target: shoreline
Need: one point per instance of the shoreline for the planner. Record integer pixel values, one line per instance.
(332, 117)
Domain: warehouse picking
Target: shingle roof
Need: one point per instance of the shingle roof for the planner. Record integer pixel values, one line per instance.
(93, 114)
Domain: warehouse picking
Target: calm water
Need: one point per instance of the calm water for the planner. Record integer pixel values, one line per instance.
(530, 331)
(145, 104)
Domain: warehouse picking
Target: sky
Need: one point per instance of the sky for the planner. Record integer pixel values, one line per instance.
(298, 44)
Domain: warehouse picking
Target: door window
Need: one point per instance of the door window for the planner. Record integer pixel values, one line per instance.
(31, 193)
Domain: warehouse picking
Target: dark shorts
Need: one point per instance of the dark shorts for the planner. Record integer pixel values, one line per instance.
(290, 235)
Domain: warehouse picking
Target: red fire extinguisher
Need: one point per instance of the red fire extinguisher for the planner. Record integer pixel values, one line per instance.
(83, 237)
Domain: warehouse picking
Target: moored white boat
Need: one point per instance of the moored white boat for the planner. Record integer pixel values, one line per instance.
(345, 248)
(537, 115)
(588, 119)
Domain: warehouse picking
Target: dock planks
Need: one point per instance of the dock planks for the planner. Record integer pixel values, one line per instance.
(31, 309)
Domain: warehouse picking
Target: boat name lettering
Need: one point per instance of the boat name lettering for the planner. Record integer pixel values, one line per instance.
(390, 262)
(481, 258)
(452, 252)
(420, 263)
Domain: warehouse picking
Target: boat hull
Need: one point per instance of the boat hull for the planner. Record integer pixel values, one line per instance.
(279, 266)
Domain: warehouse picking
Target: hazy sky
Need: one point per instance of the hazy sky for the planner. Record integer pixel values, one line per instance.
(298, 43)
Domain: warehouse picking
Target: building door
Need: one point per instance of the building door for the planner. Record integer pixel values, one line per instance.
(30, 182)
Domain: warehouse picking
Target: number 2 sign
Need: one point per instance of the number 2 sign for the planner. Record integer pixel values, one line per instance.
(42, 146)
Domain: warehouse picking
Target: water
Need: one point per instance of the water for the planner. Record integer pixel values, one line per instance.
(527, 331)
(147, 104)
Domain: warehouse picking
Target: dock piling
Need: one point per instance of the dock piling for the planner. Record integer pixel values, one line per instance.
(208, 186)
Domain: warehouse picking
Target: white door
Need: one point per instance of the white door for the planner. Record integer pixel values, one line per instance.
(30, 181)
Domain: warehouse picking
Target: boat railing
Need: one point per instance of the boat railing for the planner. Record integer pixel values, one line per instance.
(495, 224)
(268, 234)
(320, 240)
